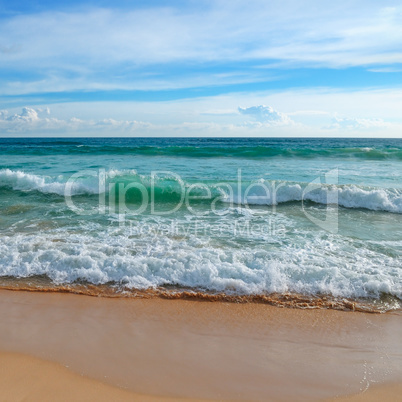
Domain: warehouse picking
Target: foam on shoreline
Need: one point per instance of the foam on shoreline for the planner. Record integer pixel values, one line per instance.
(287, 300)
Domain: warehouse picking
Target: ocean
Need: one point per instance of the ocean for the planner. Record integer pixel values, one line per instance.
(310, 222)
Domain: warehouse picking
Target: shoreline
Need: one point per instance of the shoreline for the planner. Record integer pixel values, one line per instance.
(188, 349)
(286, 300)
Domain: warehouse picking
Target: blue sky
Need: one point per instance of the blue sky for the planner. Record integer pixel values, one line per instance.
(214, 68)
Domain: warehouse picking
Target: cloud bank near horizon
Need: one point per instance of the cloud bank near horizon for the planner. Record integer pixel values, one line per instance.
(257, 120)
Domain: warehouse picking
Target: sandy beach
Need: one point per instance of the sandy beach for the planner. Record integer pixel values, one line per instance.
(126, 349)
(26, 378)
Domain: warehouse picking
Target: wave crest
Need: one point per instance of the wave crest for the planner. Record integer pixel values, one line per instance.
(169, 189)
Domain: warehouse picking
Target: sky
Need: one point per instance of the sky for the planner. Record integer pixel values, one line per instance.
(270, 68)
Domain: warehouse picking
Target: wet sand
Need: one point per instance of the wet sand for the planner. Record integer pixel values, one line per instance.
(189, 349)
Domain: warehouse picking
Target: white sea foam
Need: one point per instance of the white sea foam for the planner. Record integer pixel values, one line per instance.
(349, 196)
(314, 264)
(22, 181)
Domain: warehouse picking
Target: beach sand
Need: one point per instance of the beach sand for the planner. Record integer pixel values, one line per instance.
(27, 378)
(68, 347)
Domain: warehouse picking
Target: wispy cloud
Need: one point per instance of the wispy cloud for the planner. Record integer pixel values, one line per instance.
(347, 123)
(386, 70)
(159, 47)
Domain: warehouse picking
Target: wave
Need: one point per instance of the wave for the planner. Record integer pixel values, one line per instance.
(210, 151)
(169, 189)
(20, 181)
(347, 196)
(317, 264)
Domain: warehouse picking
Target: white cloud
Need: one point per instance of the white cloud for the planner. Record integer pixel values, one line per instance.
(33, 121)
(267, 115)
(27, 115)
(312, 111)
(347, 123)
(36, 122)
(27, 120)
(129, 44)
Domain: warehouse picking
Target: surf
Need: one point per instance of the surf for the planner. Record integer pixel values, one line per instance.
(170, 189)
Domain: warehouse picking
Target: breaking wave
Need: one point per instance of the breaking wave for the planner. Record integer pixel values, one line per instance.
(170, 189)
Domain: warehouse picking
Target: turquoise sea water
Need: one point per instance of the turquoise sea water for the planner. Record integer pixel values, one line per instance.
(240, 216)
